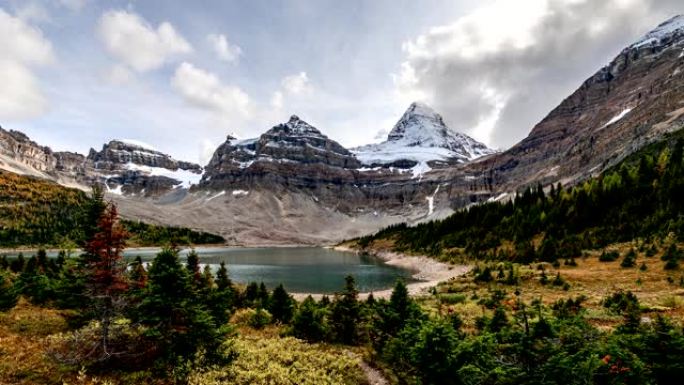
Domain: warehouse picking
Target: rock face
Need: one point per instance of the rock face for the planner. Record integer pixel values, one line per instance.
(119, 152)
(420, 137)
(124, 168)
(632, 101)
(20, 154)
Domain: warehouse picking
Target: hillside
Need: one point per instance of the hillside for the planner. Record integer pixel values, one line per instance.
(36, 212)
(638, 198)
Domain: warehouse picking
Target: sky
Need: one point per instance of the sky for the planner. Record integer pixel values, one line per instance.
(182, 75)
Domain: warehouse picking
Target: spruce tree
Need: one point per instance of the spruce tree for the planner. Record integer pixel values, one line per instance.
(345, 315)
(308, 322)
(281, 305)
(8, 295)
(223, 297)
(106, 274)
(175, 319)
(192, 264)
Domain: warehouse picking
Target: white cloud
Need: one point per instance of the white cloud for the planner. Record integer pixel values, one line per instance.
(277, 100)
(225, 50)
(297, 84)
(118, 75)
(22, 48)
(497, 71)
(31, 11)
(202, 89)
(131, 39)
(206, 151)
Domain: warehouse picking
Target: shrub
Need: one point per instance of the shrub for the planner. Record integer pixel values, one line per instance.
(620, 301)
(259, 318)
(629, 259)
(609, 256)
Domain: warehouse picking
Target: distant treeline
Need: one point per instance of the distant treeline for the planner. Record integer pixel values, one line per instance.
(36, 212)
(642, 197)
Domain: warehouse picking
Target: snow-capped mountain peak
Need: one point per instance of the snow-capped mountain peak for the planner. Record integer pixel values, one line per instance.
(297, 126)
(674, 25)
(421, 136)
(421, 124)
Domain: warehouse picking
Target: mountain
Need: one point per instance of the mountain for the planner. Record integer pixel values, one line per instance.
(294, 151)
(293, 184)
(420, 137)
(634, 100)
(124, 167)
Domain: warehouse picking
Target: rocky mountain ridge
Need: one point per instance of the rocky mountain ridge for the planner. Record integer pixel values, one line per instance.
(123, 168)
(293, 184)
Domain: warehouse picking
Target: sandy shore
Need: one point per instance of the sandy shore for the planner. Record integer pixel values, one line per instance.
(427, 271)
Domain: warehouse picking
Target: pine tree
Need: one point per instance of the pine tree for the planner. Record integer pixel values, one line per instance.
(95, 207)
(175, 320)
(138, 274)
(223, 282)
(8, 295)
(281, 305)
(308, 322)
(345, 315)
(223, 297)
(192, 264)
(107, 274)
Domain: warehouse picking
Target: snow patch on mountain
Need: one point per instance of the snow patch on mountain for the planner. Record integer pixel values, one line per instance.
(185, 178)
(617, 117)
(671, 26)
(138, 143)
(421, 136)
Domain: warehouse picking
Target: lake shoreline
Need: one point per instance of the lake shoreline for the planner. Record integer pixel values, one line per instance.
(427, 272)
(28, 249)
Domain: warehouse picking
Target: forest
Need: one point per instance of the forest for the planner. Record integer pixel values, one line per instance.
(641, 198)
(39, 213)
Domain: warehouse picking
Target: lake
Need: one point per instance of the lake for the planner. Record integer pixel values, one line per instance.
(299, 269)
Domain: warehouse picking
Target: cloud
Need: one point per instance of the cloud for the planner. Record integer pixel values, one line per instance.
(297, 84)
(202, 89)
(133, 41)
(118, 75)
(496, 72)
(35, 12)
(74, 5)
(22, 48)
(225, 50)
(277, 100)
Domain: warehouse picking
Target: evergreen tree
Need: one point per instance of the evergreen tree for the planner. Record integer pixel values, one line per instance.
(95, 207)
(175, 320)
(17, 264)
(223, 282)
(192, 264)
(106, 277)
(251, 293)
(629, 259)
(434, 353)
(345, 314)
(281, 305)
(308, 322)
(8, 295)
(263, 297)
(138, 274)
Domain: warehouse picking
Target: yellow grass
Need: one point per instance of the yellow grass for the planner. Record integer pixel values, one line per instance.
(591, 278)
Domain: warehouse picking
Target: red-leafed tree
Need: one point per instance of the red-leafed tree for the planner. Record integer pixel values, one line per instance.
(106, 274)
